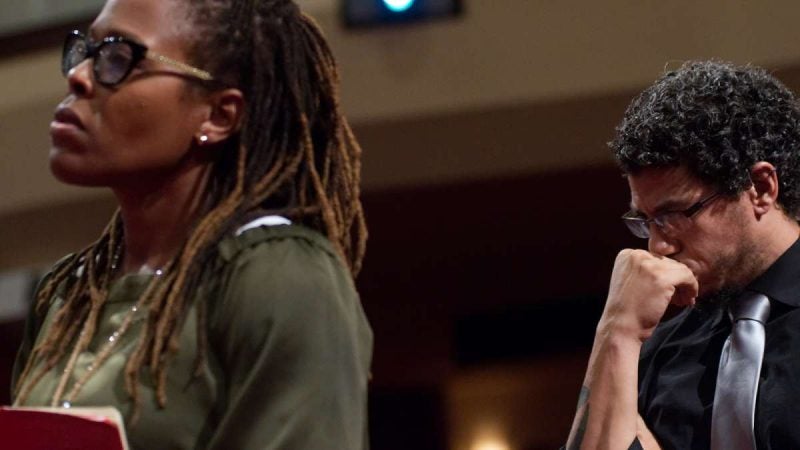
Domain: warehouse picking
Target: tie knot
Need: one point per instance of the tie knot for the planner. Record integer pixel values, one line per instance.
(750, 305)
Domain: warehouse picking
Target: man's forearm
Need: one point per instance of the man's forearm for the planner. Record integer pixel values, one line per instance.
(642, 286)
(607, 409)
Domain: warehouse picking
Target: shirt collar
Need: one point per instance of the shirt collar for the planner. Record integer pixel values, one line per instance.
(781, 281)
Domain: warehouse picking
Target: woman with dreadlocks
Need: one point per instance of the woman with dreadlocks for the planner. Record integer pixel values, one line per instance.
(217, 309)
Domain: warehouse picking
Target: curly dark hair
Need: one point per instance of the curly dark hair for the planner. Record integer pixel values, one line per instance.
(717, 119)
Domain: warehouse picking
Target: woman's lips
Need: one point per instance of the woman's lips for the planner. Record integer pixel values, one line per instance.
(67, 130)
(65, 117)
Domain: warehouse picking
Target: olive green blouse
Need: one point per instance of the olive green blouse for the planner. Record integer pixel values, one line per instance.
(288, 360)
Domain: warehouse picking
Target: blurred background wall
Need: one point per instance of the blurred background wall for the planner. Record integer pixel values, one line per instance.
(492, 200)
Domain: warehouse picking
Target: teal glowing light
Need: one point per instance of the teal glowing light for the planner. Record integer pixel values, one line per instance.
(398, 5)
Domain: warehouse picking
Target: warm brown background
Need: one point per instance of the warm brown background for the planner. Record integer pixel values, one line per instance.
(492, 201)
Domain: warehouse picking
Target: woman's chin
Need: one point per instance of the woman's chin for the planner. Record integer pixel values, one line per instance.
(66, 170)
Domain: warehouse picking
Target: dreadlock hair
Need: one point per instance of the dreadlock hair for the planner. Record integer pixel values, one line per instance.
(294, 153)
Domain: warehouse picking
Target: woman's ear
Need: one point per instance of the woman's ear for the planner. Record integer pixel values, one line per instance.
(224, 118)
(764, 191)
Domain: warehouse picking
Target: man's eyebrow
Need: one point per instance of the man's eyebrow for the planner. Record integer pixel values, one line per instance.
(667, 205)
(670, 205)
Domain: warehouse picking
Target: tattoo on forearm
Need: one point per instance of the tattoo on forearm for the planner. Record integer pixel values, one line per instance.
(583, 403)
(583, 397)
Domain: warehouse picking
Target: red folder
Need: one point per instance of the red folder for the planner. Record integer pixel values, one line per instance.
(62, 429)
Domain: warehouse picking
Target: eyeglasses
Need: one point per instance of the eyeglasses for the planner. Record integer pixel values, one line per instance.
(115, 57)
(670, 222)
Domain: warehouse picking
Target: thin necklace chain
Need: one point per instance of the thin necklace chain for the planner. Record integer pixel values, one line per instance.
(102, 356)
(104, 353)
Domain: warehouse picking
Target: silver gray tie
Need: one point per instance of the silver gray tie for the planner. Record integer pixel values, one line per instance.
(733, 417)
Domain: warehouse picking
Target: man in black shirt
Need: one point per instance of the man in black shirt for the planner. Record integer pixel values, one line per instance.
(712, 157)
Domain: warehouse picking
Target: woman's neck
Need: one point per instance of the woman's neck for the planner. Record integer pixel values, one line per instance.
(157, 216)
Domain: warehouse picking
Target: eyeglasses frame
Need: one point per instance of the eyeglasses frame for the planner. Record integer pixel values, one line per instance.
(637, 223)
(138, 53)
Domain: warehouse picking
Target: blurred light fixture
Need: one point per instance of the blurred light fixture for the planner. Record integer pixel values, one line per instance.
(490, 437)
(490, 444)
(398, 6)
(373, 13)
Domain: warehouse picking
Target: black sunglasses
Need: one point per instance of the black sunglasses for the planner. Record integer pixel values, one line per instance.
(115, 57)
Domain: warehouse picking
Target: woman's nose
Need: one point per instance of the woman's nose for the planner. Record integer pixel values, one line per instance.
(79, 79)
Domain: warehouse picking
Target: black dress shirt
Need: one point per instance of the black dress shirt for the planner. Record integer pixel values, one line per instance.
(679, 363)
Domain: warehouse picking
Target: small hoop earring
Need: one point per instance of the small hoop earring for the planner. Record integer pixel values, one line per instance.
(203, 139)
